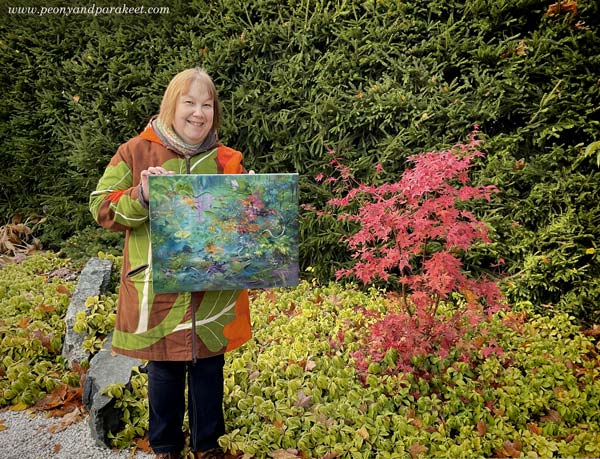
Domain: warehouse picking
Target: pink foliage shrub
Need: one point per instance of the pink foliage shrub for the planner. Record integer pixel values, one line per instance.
(416, 229)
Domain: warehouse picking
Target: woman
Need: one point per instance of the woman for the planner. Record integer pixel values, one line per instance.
(181, 139)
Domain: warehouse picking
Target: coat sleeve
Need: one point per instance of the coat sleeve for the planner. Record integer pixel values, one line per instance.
(115, 203)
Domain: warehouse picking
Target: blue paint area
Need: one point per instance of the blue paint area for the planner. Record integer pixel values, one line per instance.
(223, 232)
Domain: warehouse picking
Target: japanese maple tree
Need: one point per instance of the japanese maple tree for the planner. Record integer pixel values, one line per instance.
(414, 231)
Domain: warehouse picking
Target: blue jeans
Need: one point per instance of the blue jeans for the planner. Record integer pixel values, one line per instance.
(166, 397)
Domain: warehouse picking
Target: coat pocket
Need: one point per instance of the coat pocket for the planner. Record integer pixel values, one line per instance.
(136, 271)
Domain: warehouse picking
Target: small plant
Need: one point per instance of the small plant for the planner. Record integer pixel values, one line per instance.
(412, 233)
(97, 321)
(34, 297)
(89, 241)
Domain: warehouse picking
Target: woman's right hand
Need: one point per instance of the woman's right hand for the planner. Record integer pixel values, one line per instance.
(151, 171)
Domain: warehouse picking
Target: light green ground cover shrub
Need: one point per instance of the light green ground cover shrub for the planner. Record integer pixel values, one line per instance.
(33, 301)
(523, 385)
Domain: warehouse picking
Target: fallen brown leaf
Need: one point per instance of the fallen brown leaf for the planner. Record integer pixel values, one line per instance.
(53, 399)
(594, 331)
(509, 449)
(416, 449)
(68, 419)
(564, 6)
(46, 340)
(534, 428)
(310, 365)
(47, 308)
(63, 290)
(143, 444)
(285, 454)
(481, 427)
(552, 416)
(304, 401)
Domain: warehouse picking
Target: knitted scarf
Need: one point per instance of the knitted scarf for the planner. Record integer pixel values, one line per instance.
(172, 140)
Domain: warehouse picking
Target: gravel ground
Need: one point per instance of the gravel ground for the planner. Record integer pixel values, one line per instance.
(29, 435)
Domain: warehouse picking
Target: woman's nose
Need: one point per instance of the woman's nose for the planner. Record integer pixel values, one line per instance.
(198, 110)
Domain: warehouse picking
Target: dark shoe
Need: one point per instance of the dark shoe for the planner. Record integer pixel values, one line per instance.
(167, 456)
(215, 453)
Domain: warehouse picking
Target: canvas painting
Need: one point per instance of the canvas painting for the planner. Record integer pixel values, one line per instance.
(223, 231)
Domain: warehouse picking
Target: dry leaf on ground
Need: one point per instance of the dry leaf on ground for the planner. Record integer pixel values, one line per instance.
(70, 418)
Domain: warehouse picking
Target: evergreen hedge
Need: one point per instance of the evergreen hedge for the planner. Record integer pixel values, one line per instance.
(375, 81)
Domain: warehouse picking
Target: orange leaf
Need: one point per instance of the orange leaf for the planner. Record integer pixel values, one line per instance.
(280, 425)
(24, 322)
(47, 308)
(70, 418)
(534, 428)
(594, 331)
(2, 425)
(417, 422)
(291, 311)
(53, 399)
(57, 448)
(481, 427)
(63, 290)
(416, 449)
(499, 411)
(143, 444)
(564, 6)
(510, 449)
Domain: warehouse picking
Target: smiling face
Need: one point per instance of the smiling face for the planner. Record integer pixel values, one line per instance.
(194, 114)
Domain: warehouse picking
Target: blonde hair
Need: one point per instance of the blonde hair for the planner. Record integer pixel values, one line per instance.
(179, 85)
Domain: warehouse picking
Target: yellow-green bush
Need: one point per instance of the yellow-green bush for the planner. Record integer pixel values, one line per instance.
(33, 302)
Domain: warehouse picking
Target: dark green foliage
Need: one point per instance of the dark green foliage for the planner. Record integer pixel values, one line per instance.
(88, 242)
(376, 81)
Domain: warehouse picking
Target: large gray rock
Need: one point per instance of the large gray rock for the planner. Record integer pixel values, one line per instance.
(105, 369)
(93, 281)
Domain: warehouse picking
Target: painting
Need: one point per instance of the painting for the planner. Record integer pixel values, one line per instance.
(223, 231)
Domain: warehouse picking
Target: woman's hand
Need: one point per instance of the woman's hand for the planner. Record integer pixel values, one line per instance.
(151, 171)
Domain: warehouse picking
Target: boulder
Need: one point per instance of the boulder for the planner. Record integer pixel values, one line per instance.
(93, 281)
(106, 368)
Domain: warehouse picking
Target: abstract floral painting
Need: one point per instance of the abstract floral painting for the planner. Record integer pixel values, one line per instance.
(223, 231)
